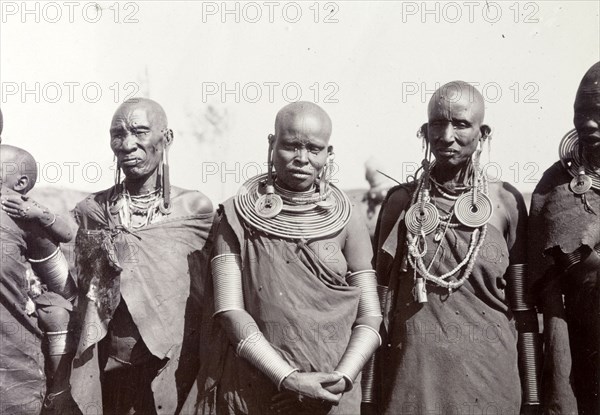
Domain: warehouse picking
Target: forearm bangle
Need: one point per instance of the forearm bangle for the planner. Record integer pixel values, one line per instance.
(59, 343)
(227, 282)
(51, 222)
(529, 363)
(382, 291)
(54, 272)
(567, 261)
(363, 343)
(367, 381)
(369, 304)
(516, 276)
(259, 352)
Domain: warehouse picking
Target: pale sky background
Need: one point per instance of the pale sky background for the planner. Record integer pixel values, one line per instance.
(380, 60)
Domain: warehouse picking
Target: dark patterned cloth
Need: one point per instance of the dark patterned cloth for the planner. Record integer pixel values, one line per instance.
(22, 380)
(456, 353)
(157, 271)
(305, 310)
(560, 223)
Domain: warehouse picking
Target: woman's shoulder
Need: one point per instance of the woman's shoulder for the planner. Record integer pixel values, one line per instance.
(191, 201)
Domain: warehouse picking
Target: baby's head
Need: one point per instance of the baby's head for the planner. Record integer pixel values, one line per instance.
(18, 169)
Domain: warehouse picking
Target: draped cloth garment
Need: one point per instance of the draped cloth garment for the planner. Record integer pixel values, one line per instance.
(305, 310)
(572, 334)
(157, 269)
(456, 353)
(22, 380)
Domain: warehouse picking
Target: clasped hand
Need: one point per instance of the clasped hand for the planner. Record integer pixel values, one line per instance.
(313, 389)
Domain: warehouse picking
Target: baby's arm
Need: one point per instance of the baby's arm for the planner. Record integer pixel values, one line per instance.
(25, 208)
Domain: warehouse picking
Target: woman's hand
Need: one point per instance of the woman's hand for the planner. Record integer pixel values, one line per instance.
(315, 385)
(22, 207)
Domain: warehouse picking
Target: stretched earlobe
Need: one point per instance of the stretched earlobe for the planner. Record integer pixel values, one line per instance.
(423, 131)
(486, 132)
(422, 134)
(168, 136)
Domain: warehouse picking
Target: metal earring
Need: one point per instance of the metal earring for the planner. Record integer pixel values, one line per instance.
(165, 207)
(474, 209)
(325, 201)
(117, 172)
(269, 204)
(422, 134)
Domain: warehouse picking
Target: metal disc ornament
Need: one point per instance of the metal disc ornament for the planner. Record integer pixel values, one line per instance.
(418, 222)
(473, 215)
(164, 209)
(581, 184)
(327, 203)
(568, 152)
(268, 206)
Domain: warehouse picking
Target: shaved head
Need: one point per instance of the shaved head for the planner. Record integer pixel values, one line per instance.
(301, 146)
(455, 125)
(305, 113)
(16, 164)
(156, 114)
(457, 92)
(590, 84)
(586, 117)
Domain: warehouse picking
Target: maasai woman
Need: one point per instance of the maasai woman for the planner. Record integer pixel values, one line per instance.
(294, 288)
(451, 247)
(566, 249)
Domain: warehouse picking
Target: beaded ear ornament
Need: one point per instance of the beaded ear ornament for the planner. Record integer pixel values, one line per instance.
(472, 209)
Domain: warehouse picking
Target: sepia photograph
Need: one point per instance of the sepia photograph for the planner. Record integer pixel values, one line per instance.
(300, 207)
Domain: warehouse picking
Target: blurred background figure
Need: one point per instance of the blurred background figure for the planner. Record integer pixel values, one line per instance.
(368, 202)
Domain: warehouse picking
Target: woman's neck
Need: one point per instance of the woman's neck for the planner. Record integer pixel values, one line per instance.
(453, 176)
(143, 186)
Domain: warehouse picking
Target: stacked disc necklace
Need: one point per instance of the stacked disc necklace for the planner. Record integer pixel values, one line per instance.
(266, 206)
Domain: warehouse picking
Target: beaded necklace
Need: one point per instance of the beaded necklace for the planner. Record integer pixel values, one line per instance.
(147, 206)
(415, 240)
